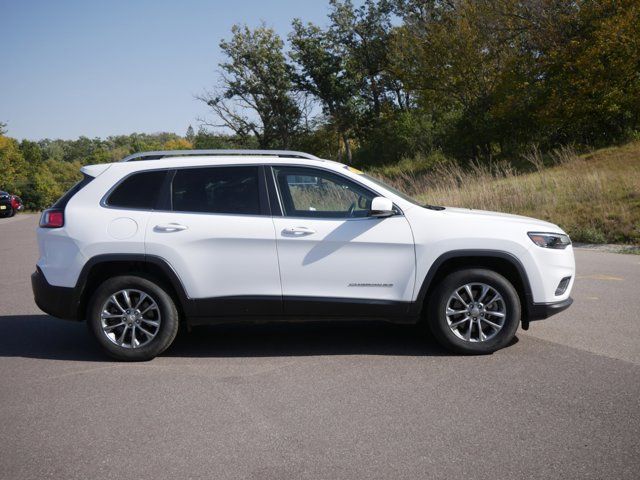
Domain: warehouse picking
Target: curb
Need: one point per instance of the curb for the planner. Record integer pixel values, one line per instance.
(609, 248)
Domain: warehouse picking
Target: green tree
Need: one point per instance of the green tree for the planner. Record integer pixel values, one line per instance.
(12, 165)
(323, 73)
(589, 65)
(32, 154)
(255, 95)
(362, 36)
(178, 144)
(208, 140)
(458, 57)
(190, 135)
(506, 73)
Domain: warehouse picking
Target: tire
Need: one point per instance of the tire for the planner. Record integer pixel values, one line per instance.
(458, 335)
(137, 331)
(12, 213)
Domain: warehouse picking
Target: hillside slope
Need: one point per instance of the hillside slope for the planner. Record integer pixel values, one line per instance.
(595, 197)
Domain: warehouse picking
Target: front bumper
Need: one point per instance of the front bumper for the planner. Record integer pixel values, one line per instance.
(58, 302)
(540, 311)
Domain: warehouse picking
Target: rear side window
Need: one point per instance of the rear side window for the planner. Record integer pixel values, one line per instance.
(139, 190)
(232, 190)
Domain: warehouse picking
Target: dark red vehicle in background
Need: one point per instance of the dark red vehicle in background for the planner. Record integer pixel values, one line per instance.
(9, 204)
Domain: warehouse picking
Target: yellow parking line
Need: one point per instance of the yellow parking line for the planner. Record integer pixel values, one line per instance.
(600, 276)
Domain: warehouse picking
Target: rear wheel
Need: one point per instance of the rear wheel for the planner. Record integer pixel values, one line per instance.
(132, 318)
(474, 311)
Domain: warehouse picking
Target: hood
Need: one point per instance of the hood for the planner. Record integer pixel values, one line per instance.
(506, 217)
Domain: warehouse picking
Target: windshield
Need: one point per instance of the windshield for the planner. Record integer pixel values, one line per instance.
(393, 190)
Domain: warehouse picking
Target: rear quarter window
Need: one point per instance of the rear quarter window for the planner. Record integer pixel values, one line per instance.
(139, 191)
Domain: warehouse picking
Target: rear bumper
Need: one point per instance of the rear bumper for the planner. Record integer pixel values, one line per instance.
(58, 302)
(5, 209)
(540, 311)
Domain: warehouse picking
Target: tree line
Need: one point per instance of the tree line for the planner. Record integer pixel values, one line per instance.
(41, 171)
(473, 79)
(388, 81)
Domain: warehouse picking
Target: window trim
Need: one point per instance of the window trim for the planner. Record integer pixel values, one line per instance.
(275, 185)
(274, 194)
(269, 193)
(165, 197)
(163, 203)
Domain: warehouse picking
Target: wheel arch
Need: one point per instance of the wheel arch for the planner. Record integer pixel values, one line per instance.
(504, 263)
(102, 267)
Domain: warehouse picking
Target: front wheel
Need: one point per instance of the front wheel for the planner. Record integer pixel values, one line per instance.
(474, 311)
(132, 318)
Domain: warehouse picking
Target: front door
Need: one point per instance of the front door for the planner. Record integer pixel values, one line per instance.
(334, 258)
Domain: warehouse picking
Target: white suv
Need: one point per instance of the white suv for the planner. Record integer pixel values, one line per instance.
(204, 237)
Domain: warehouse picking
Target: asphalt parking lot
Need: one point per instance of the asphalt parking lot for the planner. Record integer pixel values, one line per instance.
(323, 401)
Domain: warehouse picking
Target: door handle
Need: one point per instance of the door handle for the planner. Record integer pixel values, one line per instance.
(170, 227)
(298, 231)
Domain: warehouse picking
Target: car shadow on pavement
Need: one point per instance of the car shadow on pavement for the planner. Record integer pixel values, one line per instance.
(41, 336)
(300, 339)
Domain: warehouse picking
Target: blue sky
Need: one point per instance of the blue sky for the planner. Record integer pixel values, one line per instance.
(92, 68)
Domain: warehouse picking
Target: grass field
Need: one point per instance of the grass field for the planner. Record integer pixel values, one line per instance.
(595, 197)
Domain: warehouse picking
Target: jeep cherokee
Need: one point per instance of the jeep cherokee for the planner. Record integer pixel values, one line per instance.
(203, 237)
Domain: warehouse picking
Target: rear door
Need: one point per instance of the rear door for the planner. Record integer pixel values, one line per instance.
(334, 258)
(217, 234)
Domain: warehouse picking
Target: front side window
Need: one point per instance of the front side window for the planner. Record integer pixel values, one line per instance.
(231, 190)
(310, 192)
(139, 191)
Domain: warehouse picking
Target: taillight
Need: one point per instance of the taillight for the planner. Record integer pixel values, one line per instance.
(52, 218)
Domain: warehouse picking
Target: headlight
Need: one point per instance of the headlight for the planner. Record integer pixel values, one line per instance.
(550, 240)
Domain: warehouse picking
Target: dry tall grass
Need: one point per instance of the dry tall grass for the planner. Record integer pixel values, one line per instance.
(594, 197)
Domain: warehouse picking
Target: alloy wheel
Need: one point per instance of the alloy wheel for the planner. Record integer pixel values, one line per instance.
(476, 312)
(130, 318)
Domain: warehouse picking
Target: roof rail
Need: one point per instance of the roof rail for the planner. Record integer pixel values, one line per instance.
(186, 153)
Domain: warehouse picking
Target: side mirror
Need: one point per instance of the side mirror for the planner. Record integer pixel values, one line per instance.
(381, 207)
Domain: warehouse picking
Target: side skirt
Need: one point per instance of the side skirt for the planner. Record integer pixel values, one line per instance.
(264, 309)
